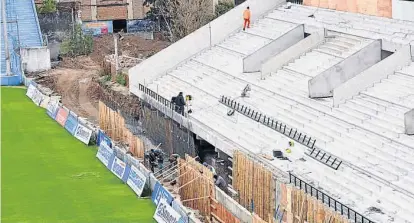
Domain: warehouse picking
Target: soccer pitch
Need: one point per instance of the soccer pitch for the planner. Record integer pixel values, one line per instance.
(49, 176)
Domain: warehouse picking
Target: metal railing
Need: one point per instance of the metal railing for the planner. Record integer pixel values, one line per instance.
(269, 122)
(324, 157)
(167, 103)
(328, 200)
(314, 152)
(299, 2)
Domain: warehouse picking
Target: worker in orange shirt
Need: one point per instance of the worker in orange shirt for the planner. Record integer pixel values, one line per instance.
(246, 16)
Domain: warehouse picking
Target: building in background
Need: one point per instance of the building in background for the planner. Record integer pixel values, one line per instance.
(396, 9)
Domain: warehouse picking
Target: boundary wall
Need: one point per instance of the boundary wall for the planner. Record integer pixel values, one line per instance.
(194, 43)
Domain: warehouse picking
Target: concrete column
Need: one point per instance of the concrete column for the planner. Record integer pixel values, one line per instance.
(94, 10)
(130, 9)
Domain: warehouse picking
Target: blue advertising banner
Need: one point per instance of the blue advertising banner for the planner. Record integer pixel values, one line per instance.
(71, 123)
(160, 193)
(119, 168)
(105, 155)
(102, 137)
(140, 25)
(136, 180)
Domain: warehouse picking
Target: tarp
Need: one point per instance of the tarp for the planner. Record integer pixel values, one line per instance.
(105, 154)
(166, 214)
(83, 134)
(61, 116)
(136, 180)
(52, 108)
(71, 123)
(102, 137)
(120, 169)
(160, 193)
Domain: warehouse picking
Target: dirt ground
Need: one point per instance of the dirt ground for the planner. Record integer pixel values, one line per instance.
(132, 46)
(75, 78)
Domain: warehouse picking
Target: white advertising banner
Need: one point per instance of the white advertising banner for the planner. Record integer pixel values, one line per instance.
(118, 167)
(165, 213)
(136, 180)
(37, 97)
(104, 154)
(83, 134)
(30, 91)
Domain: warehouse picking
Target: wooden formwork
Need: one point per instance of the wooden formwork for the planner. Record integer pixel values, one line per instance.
(196, 185)
(254, 184)
(221, 214)
(197, 191)
(113, 124)
(303, 207)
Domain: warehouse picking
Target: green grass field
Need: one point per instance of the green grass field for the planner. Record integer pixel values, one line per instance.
(49, 176)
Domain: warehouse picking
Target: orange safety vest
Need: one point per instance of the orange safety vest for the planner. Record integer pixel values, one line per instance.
(246, 14)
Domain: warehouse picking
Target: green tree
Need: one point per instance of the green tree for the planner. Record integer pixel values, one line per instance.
(78, 44)
(47, 6)
(223, 7)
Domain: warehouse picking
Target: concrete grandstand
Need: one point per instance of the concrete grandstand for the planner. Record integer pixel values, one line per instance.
(343, 79)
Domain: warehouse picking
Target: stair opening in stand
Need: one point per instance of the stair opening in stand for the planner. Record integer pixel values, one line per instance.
(119, 25)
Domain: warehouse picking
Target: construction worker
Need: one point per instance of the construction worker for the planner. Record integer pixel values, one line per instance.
(220, 182)
(211, 168)
(246, 16)
(180, 102)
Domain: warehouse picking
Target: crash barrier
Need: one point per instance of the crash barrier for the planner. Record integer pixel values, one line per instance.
(254, 185)
(254, 182)
(197, 191)
(76, 126)
(314, 152)
(113, 124)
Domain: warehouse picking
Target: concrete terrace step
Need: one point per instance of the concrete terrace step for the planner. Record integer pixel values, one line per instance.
(244, 43)
(270, 28)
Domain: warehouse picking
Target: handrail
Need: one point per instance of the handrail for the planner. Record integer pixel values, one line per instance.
(328, 200)
(316, 153)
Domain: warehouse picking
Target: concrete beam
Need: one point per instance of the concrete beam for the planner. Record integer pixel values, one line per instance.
(277, 62)
(253, 62)
(372, 75)
(409, 122)
(323, 84)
